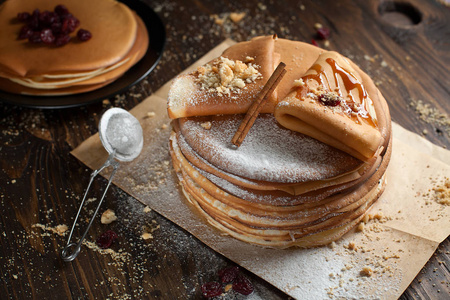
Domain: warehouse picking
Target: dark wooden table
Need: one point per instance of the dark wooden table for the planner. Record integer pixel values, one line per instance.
(404, 46)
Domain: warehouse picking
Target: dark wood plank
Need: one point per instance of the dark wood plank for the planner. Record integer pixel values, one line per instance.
(41, 183)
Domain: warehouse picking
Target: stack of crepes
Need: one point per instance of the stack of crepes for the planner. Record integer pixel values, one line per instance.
(119, 40)
(312, 164)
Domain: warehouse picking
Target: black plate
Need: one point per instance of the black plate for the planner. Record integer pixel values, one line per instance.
(157, 36)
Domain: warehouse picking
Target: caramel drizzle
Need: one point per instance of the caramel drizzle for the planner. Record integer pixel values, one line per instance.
(350, 82)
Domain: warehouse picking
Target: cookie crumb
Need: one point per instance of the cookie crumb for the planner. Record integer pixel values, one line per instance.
(228, 287)
(61, 229)
(237, 17)
(206, 125)
(442, 193)
(146, 236)
(360, 227)
(366, 272)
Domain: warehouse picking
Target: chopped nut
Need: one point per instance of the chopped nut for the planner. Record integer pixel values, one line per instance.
(201, 70)
(299, 82)
(249, 59)
(239, 67)
(224, 76)
(151, 114)
(147, 209)
(108, 216)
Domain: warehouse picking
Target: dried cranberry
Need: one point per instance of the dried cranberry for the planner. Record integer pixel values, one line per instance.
(323, 33)
(84, 35)
(61, 10)
(47, 36)
(35, 37)
(106, 239)
(50, 27)
(23, 16)
(228, 274)
(56, 27)
(46, 18)
(62, 39)
(36, 13)
(69, 24)
(65, 25)
(211, 289)
(33, 21)
(43, 16)
(313, 41)
(25, 32)
(330, 99)
(242, 285)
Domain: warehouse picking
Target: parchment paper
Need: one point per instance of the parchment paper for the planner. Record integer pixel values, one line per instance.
(392, 247)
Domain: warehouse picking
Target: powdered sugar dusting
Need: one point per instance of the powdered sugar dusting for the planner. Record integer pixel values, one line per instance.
(269, 152)
(186, 94)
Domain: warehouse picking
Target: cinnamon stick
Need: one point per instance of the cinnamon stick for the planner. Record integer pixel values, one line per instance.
(255, 108)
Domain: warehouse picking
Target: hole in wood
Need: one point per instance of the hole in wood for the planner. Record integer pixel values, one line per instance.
(399, 13)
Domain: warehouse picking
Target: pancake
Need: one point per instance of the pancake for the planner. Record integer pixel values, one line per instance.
(97, 78)
(120, 40)
(111, 23)
(272, 225)
(284, 186)
(9, 86)
(298, 163)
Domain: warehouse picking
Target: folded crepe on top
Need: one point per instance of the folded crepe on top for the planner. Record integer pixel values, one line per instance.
(227, 84)
(333, 105)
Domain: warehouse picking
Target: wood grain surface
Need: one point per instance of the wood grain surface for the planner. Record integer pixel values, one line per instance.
(405, 47)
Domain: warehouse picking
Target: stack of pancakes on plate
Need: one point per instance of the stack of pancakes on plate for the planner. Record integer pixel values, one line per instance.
(119, 40)
(312, 164)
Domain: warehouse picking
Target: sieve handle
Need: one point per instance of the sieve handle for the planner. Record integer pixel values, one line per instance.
(72, 249)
